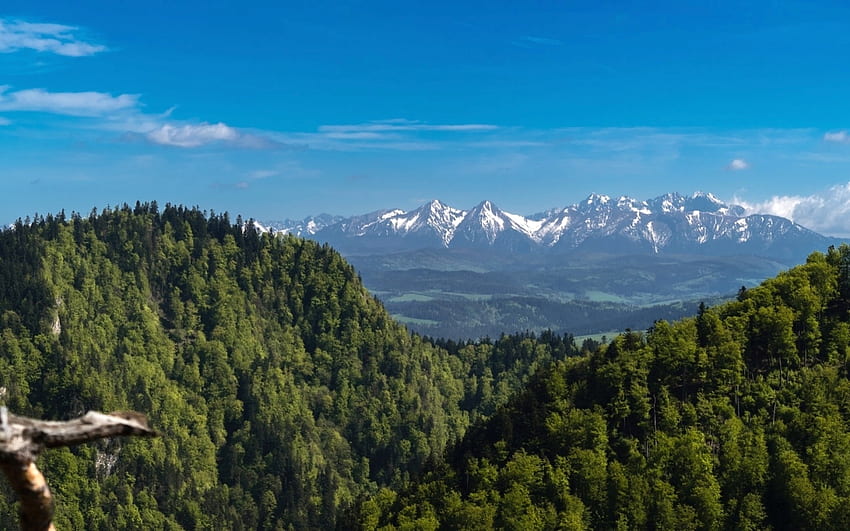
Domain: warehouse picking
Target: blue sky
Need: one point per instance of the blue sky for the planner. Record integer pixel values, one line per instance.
(284, 109)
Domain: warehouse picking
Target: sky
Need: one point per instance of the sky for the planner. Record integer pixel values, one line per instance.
(285, 109)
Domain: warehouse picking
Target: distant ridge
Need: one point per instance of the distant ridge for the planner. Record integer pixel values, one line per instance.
(671, 223)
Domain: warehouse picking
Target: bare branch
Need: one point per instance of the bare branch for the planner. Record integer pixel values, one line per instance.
(22, 439)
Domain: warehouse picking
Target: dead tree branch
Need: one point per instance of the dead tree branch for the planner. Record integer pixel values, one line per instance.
(22, 439)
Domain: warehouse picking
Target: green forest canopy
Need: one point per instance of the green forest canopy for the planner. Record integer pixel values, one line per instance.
(283, 390)
(289, 399)
(738, 418)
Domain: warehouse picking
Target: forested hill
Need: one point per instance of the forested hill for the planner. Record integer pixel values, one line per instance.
(738, 418)
(282, 389)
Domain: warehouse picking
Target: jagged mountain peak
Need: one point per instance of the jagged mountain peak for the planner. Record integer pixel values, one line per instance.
(433, 223)
(707, 195)
(482, 223)
(705, 202)
(485, 207)
(668, 223)
(698, 201)
(597, 198)
(486, 225)
(440, 209)
(437, 206)
(670, 202)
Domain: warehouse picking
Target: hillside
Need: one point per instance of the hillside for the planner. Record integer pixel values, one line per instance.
(283, 390)
(737, 418)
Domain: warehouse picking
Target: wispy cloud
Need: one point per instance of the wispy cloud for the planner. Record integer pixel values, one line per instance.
(18, 35)
(403, 125)
(409, 135)
(738, 165)
(507, 144)
(123, 114)
(191, 135)
(639, 138)
(397, 134)
(842, 137)
(355, 135)
(827, 212)
(66, 103)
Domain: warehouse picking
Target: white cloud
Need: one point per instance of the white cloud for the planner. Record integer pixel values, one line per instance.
(53, 38)
(737, 165)
(827, 213)
(403, 125)
(781, 205)
(67, 103)
(837, 136)
(192, 135)
(122, 113)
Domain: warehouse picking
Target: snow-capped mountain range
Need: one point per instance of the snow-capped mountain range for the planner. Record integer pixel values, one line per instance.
(698, 223)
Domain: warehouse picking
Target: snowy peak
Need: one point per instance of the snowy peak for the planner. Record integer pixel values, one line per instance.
(443, 218)
(699, 201)
(305, 227)
(668, 223)
(705, 203)
(486, 225)
(708, 198)
(481, 225)
(594, 203)
(433, 218)
(487, 217)
(668, 203)
(437, 224)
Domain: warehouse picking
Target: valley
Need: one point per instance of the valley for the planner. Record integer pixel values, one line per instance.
(582, 294)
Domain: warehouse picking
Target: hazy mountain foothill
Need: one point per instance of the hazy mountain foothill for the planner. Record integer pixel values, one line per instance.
(599, 265)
